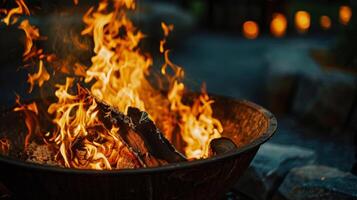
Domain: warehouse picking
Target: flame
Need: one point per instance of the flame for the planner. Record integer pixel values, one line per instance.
(250, 29)
(82, 138)
(167, 29)
(197, 125)
(32, 33)
(4, 146)
(278, 25)
(40, 77)
(325, 22)
(31, 120)
(118, 68)
(345, 13)
(20, 9)
(302, 21)
(120, 74)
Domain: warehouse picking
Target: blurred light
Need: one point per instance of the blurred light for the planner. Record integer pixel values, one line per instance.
(345, 14)
(325, 22)
(302, 21)
(250, 29)
(278, 25)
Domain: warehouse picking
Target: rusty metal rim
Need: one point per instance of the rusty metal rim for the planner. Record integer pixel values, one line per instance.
(272, 126)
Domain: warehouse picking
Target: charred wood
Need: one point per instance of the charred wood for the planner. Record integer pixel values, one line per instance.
(140, 134)
(221, 146)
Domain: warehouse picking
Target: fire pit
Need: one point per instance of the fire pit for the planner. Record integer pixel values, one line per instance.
(114, 128)
(247, 124)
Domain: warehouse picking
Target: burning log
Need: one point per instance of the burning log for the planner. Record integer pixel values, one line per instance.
(118, 153)
(140, 134)
(156, 142)
(221, 146)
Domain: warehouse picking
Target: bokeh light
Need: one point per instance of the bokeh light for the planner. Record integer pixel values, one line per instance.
(250, 29)
(302, 21)
(325, 22)
(278, 25)
(345, 13)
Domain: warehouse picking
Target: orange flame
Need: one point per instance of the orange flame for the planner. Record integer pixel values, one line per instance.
(167, 29)
(20, 9)
(198, 126)
(32, 33)
(119, 75)
(83, 140)
(40, 77)
(31, 119)
(118, 68)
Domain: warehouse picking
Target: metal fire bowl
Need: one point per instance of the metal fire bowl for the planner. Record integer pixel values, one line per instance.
(246, 123)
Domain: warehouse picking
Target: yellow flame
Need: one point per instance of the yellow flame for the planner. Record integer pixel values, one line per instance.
(197, 125)
(345, 14)
(118, 68)
(167, 29)
(119, 74)
(302, 21)
(31, 112)
(83, 140)
(250, 29)
(40, 77)
(278, 25)
(20, 9)
(32, 33)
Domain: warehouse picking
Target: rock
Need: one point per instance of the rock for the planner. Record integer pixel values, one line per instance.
(325, 99)
(270, 165)
(317, 182)
(285, 64)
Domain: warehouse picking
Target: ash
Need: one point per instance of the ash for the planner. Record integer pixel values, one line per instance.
(41, 154)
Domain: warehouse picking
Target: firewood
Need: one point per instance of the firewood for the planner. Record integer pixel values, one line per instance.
(221, 146)
(140, 134)
(156, 142)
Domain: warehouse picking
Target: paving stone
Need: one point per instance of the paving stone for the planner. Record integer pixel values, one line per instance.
(285, 64)
(271, 164)
(326, 99)
(315, 182)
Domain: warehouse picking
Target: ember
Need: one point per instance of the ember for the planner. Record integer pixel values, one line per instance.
(116, 124)
(4, 146)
